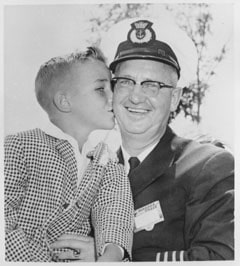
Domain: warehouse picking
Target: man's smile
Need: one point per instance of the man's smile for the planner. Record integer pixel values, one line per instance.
(137, 110)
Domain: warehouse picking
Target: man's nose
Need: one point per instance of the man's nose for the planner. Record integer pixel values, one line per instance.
(136, 95)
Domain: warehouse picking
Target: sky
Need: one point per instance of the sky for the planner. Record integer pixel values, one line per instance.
(35, 33)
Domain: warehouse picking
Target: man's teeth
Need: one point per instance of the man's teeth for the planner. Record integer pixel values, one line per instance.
(137, 110)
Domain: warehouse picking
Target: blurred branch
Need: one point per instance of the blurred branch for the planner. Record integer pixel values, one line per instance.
(196, 21)
(113, 14)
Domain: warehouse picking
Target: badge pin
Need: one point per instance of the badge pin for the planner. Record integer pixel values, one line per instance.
(147, 216)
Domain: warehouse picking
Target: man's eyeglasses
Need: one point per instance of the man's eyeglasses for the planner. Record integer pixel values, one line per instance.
(149, 87)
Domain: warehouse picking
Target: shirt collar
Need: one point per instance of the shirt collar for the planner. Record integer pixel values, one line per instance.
(81, 158)
(141, 156)
(56, 132)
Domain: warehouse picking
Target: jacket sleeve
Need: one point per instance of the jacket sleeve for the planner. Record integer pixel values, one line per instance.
(17, 246)
(112, 213)
(209, 218)
(210, 211)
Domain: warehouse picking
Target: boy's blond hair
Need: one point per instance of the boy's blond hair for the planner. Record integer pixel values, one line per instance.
(56, 69)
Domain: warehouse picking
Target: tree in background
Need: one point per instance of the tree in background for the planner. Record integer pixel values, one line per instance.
(195, 20)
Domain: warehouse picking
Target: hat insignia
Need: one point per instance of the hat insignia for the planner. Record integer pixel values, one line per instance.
(141, 32)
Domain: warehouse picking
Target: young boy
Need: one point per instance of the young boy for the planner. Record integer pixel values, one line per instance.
(47, 193)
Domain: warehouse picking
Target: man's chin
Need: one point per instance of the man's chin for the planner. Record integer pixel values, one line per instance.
(135, 129)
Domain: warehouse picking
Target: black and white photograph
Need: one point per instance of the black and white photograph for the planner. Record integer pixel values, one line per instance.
(119, 132)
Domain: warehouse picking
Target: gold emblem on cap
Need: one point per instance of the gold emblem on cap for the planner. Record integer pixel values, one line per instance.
(141, 32)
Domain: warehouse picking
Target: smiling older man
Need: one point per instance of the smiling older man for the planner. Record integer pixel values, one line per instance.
(182, 190)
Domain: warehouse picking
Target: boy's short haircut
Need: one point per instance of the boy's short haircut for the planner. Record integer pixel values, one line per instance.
(57, 67)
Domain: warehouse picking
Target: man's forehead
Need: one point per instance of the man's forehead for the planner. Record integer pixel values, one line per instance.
(143, 64)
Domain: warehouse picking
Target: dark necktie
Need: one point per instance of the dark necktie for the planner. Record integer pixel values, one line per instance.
(133, 162)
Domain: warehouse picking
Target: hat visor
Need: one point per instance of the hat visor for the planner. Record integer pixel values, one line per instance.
(113, 65)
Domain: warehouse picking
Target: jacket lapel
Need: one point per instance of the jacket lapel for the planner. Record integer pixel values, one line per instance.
(154, 165)
(66, 151)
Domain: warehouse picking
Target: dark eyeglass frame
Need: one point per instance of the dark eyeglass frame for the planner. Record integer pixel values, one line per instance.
(160, 84)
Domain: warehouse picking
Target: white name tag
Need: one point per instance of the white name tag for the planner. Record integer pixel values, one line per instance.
(147, 216)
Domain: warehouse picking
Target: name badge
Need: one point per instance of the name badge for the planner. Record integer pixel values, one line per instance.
(147, 216)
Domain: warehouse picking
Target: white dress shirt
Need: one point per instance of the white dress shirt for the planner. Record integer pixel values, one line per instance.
(140, 156)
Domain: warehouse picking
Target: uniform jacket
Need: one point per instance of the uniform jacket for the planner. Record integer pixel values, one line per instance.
(42, 200)
(194, 184)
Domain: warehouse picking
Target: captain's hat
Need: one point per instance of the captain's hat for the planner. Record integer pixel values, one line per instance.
(152, 39)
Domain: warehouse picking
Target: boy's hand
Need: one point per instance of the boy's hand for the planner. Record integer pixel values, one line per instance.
(79, 248)
(112, 252)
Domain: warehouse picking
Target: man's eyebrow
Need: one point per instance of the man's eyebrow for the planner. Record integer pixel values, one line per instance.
(100, 80)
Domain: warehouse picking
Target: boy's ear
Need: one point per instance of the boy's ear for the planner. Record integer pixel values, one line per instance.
(62, 102)
(176, 96)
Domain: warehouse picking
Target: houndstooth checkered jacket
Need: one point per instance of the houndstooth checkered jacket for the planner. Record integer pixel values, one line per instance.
(42, 200)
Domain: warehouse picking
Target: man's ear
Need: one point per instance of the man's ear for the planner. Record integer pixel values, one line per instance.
(62, 102)
(176, 96)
